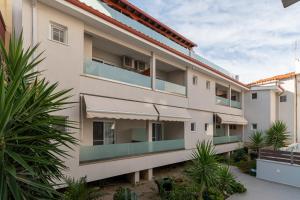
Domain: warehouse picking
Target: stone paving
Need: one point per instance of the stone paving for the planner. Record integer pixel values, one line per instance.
(263, 190)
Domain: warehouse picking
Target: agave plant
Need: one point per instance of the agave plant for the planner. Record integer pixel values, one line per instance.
(31, 145)
(226, 180)
(257, 141)
(277, 135)
(204, 167)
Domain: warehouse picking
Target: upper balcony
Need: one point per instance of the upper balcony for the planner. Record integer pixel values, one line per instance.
(225, 96)
(111, 61)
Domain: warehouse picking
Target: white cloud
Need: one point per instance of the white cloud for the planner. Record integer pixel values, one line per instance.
(251, 38)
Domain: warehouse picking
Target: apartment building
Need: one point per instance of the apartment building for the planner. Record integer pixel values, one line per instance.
(271, 99)
(145, 98)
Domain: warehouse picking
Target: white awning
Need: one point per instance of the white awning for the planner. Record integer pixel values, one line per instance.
(232, 119)
(101, 107)
(167, 113)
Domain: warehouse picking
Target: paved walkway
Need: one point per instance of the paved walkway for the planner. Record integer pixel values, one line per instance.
(263, 190)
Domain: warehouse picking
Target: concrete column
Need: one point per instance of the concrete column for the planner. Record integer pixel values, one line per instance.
(149, 131)
(134, 177)
(228, 129)
(148, 174)
(153, 70)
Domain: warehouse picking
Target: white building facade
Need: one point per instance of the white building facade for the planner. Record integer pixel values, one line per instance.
(145, 99)
(271, 99)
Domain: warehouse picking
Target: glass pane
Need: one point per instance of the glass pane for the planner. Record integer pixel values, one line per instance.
(109, 133)
(97, 133)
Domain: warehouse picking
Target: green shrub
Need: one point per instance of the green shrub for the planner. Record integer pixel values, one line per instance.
(246, 166)
(239, 155)
(165, 186)
(79, 190)
(182, 192)
(213, 194)
(237, 187)
(124, 194)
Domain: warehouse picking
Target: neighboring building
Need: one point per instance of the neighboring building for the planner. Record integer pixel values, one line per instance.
(271, 99)
(145, 98)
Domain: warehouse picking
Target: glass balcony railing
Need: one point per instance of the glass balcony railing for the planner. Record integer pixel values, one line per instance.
(236, 104)
(116, 73)
(170, 87)
(222, 101)
(102, 152)
(105, 9)
(226, 139)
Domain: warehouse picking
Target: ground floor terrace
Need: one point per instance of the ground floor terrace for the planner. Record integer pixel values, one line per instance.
(124, 137)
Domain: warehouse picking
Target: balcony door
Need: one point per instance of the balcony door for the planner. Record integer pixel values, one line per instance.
(103, 133)
(157, 132)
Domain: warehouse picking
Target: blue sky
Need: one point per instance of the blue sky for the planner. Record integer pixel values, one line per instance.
(254, 39)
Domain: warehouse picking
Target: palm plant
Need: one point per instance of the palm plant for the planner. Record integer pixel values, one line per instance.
(204, 167)
(226, 180)
(277, 135)
(79, 190)
(257, 141)
(31, 145)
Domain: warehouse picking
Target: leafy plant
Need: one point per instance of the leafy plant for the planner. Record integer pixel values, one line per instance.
(31, 145)
(237, 187)
(277, 135)
(79, 190)
(204, 167)
(165, 186)
(182, 192)
(213, 194)
(239, 155)
(246, 166)
(226, 181)
(124, 194)
(257, 141)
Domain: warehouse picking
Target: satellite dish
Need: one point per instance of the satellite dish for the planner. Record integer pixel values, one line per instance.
(287, 3)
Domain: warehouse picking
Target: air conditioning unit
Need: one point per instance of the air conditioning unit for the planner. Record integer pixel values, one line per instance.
(128, 62)
(140, 66)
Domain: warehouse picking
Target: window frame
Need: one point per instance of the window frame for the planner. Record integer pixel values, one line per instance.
(193, 127)
(207, 84)
(256, 96)
(104, 139)
(162, 131)
(283, 98)
(60, 27)
(254, 129)
(206, 125)
(195, 80)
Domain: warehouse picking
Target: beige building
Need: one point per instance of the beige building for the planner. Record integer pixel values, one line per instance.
(271, 99)
(144, 97)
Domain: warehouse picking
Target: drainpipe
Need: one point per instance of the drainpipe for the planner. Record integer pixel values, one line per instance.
(34, 26)
(296, 110)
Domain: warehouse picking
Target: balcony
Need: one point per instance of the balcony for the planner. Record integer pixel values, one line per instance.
(226, 139)
(222, 101)
(170, 87)
(116, 73)
(111, 151)
(236, 104)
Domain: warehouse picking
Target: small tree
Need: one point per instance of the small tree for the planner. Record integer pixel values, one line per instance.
(203, 170)
(277, 135)
(257, 141)
(31, 144)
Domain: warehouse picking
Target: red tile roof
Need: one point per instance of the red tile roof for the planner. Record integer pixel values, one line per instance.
(141, 16)
(273, 78)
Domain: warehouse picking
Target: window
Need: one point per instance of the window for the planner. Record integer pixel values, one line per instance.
(195, 80)
(205, 126)
(232, 127)
(283, 98)
(103, 133)
(157, 132)
(254, 95)
(193, 126)
(254, 127)
(208, 85)
(58, 33)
